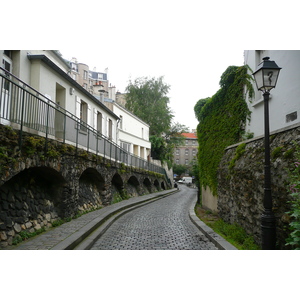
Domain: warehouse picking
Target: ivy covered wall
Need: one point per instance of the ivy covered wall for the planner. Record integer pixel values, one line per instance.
(222, 119)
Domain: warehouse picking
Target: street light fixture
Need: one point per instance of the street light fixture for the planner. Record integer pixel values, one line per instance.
(266, 78)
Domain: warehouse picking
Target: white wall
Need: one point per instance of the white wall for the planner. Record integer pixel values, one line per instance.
(133, 131)
(44, 79)
(285, 98)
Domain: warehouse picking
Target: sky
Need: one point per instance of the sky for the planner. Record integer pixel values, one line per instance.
(190, 43)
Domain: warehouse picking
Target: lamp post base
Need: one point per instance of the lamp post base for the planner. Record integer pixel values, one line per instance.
(268, 229)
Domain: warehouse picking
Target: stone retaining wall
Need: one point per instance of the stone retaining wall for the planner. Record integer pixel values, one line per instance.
(241, 186)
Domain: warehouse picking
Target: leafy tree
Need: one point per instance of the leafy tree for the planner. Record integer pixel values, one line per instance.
(147, 99)
(162, 147)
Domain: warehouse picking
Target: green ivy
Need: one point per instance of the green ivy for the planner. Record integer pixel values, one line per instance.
(222, 121)
(294, 190)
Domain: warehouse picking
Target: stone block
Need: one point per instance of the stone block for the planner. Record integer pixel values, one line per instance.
(17, 227)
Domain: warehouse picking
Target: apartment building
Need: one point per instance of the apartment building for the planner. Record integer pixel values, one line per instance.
(49, 74)
(132, 132)
(183, 155)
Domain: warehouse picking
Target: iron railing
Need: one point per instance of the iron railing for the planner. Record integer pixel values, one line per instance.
(26, 108)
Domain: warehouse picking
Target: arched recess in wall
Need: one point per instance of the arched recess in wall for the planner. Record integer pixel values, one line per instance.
(156, 184)
(117, 188)
(133, 187)
(32, 198)
(147, 184)
(91, 189)
(162, 185)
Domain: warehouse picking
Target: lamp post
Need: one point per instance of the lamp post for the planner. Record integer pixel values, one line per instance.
(266, 77)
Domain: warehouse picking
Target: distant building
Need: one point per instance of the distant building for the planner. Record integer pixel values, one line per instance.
(284, 104)
(183, 155)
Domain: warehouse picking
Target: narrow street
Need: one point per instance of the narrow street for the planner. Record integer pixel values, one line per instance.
(161, 225)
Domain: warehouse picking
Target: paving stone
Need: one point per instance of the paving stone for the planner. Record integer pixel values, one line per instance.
(161, 225)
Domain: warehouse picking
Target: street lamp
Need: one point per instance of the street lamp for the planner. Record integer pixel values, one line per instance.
(266, 77)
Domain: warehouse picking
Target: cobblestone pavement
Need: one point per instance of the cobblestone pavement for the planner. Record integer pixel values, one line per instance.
(161, 225)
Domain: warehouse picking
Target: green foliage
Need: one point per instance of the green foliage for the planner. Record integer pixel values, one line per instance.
(294, 189)
(222, 121)
(147, 99)
(235, 234)
(240, 150)
(276, 152)
(25, 235)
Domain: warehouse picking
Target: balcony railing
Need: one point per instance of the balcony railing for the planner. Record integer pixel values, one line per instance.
(26, 109)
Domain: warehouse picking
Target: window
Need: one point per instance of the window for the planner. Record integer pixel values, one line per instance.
(121, 122)
(177, 161)
(194, 152)
(177, 151)
(186, 151)
(186, 162)
(193, 142)
(125, 146)
(99, 122)
(85, 74)
(186, 142)
(110, 129)
(83, 115)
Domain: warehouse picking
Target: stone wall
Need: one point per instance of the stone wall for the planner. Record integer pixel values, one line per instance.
(38, 188)
(241, 182)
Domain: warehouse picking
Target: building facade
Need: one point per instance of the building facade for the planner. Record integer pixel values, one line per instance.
(183, 155)
(132, 132)
(284, 104)
(49, 74)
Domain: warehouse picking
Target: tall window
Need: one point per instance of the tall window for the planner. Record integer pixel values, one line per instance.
(83, 114)
(110, 129)
(121, 122)
(186, 151)
(99, 122)
(85, 74)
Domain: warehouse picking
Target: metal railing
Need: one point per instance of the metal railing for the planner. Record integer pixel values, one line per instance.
(27, 108)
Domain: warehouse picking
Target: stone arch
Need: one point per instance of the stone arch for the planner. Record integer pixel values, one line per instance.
(156, 184)
(117, 188)
(30, 200)
(147, 184)
(162, 185)
(133, 187)
(91, 190)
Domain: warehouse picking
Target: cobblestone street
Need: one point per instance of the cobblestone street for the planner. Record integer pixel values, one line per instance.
(161, 225)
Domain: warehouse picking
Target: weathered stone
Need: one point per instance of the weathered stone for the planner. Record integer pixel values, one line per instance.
(17, 227)
(28, 225)
(11, 233)
(3, 236)
(37, 227)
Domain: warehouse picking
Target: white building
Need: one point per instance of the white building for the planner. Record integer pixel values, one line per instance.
(133, 133)
(48, 73)
(284, 104)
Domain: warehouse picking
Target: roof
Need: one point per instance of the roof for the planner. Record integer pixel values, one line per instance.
(189, 135)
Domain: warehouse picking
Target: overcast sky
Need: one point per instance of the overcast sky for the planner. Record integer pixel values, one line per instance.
(190, 43)
(191, 76)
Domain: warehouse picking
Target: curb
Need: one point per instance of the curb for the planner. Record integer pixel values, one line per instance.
(215, 238)
(85, 237)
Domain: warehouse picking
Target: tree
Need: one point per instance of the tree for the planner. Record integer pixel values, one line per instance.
(162, 147)
(147, 99)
